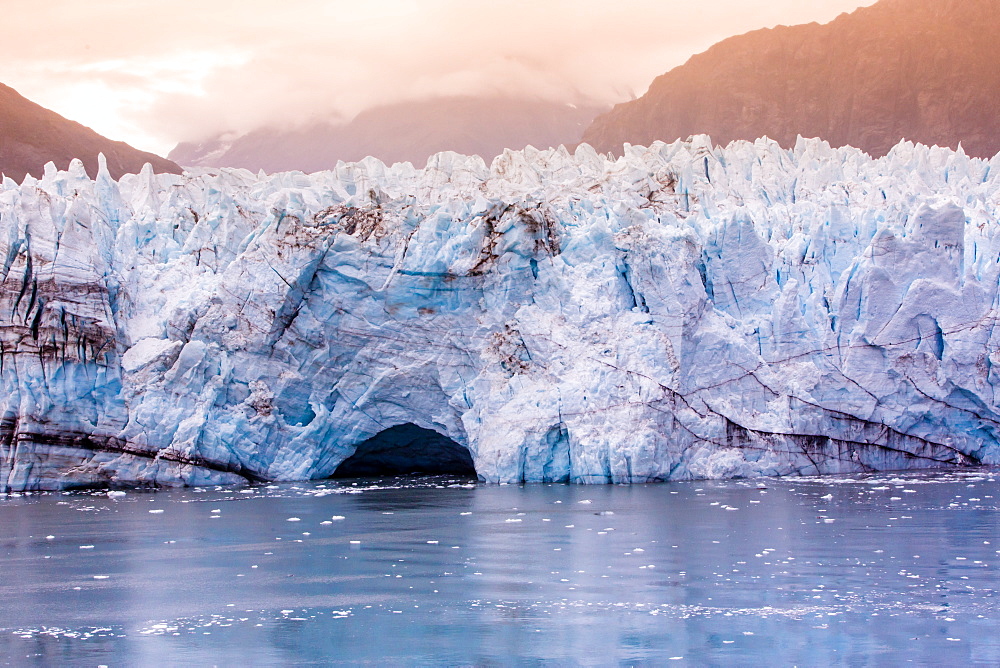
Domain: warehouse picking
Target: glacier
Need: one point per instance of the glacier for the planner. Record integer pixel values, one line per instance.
(685, 311)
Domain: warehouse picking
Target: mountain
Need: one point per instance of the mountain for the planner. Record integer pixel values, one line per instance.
(684, 312)
(403, 132)
(924, 70)
(31, 135)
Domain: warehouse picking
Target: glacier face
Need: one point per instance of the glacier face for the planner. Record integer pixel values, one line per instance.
(685, 311)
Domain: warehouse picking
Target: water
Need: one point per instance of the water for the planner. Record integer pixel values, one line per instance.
(877, 570)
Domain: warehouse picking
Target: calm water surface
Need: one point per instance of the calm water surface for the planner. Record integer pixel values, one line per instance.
(876, 570)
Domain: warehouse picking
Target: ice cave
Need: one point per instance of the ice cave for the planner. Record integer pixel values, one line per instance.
(404, 449)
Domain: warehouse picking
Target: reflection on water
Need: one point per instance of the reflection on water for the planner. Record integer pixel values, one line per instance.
(820, 571)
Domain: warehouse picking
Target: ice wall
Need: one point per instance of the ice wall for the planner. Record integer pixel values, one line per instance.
(682, 312)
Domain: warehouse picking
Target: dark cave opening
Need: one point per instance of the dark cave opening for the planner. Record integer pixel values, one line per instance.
(407, 449)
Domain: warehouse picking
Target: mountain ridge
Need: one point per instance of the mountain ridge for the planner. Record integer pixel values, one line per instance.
(899, 69)
(31, 136)
(401, 132)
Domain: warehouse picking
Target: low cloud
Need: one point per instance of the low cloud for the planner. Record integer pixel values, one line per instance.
(154, 74)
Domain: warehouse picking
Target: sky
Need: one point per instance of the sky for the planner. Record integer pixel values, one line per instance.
(154, 72)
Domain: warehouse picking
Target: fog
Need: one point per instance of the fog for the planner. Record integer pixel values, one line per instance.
(155, 73)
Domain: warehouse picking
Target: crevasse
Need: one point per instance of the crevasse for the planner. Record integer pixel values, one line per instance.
(685, 311)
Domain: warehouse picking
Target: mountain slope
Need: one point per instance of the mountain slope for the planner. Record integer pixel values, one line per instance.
(403, 132)
(923, 70)
(31, 135)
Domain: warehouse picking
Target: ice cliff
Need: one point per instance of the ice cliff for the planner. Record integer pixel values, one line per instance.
(682, 312)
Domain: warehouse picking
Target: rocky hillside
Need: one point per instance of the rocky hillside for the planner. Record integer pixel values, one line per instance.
(923, 70)
(404, 132)
(31, 135)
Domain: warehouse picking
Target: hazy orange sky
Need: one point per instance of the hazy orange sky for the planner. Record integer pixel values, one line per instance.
(153, 73)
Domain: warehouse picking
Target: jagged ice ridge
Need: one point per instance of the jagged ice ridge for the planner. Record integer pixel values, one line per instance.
(684, 311)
